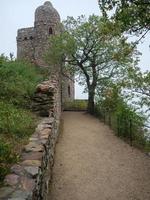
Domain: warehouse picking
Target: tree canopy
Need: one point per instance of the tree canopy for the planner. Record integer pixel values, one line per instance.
(87, 49)
(133, 15)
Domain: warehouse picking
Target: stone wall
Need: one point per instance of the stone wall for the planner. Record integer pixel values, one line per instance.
(30, 178)
(68, 89)
(32, 43)
(25, 43)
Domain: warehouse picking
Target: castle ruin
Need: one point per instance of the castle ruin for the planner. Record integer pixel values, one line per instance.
(32, 42)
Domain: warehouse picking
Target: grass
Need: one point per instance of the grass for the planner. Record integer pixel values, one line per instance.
(75, 105)
(18, 81)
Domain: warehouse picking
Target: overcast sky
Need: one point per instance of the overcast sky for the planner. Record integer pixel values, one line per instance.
(17, 14)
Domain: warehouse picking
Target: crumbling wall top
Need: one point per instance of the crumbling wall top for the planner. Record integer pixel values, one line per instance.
(25, 33)
(46, 12)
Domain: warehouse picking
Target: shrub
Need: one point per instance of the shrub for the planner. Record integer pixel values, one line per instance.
(124, 120)
(7, 157)
(15, 121)
(4, 170)
(17, 85)
(18, 82)
(16, 125)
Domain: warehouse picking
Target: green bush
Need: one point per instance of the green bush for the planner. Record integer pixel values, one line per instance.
(15, 121)
(7, 157)
(124, 120)
(4, 170)
(18, 81)
(16, 125)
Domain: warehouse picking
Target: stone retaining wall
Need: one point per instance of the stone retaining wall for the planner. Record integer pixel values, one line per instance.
(30, 178)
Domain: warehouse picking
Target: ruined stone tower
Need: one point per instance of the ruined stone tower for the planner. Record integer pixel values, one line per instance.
(32, 42)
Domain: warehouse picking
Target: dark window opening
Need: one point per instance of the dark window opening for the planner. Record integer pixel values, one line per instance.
(50, 31)
(31, 38)
(69, 91)
(25, 38)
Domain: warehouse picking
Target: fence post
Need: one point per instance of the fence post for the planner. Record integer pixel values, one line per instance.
(104, 117)
(131, 135)
(118, 126)
(109, 115)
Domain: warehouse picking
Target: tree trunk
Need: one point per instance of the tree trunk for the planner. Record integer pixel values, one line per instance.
(91, 105)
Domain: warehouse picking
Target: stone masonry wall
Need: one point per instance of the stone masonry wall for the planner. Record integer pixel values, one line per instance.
(25, 43)
(29, 179)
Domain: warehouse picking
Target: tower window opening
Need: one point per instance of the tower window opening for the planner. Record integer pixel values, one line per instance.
(31, 38)
(69, 91)
(50, 31)
(25, 38)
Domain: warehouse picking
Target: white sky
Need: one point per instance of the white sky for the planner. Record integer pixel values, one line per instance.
(17, 14)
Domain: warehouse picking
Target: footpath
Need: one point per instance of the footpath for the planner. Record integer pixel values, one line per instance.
(91, 163)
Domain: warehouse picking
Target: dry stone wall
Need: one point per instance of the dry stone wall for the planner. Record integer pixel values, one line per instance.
(30, 178)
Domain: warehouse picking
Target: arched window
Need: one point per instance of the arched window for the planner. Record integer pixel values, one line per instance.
(25, 38)
(31, 37)
(69, 91)
(50, 31)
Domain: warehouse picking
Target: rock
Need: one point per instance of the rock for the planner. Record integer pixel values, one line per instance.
(20, 195)
(32, 146)
(148, 154)
(11, 179)
(32, 156)
(32, 139)
(39, 128)
(45, 133)
(27, 184)
(43, 141)
(43, 88)
(35, 163)
(17, 169)
(47, 121)
(32, 171)
(5, 192)
(19, 198)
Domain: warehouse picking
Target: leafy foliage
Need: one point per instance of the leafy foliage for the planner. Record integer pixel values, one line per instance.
(15, 121)
(133, 16)
(17, 82)
(89, 50)
(7, 157)
(123, 119)
(137, 88)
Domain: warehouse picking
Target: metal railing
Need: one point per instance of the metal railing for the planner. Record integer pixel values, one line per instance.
(134, 132)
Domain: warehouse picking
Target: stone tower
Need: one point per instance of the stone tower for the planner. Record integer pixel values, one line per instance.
(46, 23)
(32, 42)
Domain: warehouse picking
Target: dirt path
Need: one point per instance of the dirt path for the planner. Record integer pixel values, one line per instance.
(93, 164)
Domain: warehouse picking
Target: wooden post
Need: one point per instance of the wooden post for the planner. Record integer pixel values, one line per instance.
(118, 126)
(131, 134)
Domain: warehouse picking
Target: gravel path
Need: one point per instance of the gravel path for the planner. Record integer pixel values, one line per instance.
(93, 164)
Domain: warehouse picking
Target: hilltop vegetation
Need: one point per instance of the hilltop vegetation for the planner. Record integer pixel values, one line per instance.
(17, 84)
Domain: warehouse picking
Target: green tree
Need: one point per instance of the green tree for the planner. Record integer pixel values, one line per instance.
(87, 49)
(132, 15)
(138, 87)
